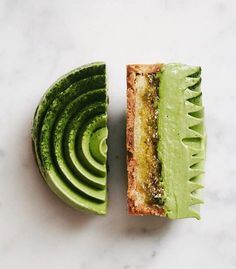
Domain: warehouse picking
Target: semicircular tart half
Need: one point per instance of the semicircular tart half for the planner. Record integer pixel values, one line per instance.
(69, 138)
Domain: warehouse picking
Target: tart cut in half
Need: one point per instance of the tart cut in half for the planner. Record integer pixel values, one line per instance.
(69, 138)
(165, 140)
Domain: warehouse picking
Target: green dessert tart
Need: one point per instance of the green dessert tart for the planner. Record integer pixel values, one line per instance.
(165, 140)
(69, 138)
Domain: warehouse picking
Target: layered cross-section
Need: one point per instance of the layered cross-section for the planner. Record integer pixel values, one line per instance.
(165, 140)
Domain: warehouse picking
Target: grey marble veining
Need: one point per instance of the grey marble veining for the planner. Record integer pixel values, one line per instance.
(41, 40)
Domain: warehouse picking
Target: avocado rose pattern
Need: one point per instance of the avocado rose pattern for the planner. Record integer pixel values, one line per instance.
(69, 138)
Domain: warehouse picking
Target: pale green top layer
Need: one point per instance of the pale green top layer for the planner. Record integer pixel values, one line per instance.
(69, 138)
(181, 147)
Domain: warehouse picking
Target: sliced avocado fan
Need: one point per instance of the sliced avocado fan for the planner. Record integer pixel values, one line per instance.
(69, 138)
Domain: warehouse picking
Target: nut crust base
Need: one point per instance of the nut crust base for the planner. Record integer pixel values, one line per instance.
(133, 207)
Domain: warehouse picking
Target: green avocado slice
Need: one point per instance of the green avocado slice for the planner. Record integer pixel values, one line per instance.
(74, 100)
(181, 146)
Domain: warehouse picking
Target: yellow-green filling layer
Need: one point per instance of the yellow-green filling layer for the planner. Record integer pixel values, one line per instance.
(148, 167)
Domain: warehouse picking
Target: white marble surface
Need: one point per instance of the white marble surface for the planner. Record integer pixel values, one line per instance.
(41, 40)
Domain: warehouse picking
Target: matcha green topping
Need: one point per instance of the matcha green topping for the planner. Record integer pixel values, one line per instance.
(69, 138)
(181, 146)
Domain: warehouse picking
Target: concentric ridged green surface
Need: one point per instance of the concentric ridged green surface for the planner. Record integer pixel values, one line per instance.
(181, 147)
(69, 138)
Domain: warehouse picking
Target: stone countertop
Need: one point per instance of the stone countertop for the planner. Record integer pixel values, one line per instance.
(40, 41)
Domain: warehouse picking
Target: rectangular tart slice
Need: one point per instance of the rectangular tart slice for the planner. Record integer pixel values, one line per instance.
(165, 140)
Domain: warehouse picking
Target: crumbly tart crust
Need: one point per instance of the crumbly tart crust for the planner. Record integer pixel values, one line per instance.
(136, 205)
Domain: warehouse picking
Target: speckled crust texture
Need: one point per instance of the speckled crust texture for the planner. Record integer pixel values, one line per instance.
(135, 208)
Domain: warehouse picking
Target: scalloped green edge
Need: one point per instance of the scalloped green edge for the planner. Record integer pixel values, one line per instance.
(181, 147)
